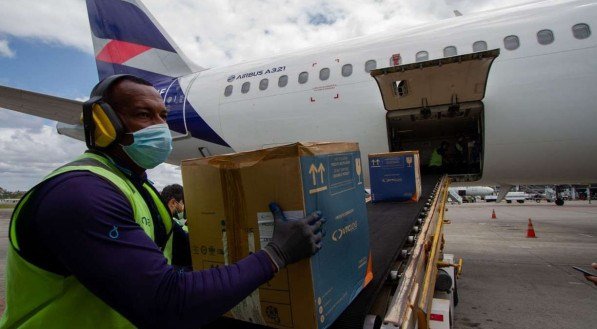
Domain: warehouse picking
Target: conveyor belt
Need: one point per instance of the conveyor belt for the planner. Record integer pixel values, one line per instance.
(389, 225)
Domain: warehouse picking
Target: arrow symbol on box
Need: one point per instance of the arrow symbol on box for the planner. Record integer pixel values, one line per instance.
(321, 170)
(313, 171)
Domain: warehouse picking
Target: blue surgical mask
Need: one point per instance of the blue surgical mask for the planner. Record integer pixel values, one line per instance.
(151, 146)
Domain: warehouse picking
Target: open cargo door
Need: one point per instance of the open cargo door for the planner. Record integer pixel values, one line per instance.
(438, 102)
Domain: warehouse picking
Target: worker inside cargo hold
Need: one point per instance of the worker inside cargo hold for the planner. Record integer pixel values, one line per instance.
(92, 244)
(439, 158)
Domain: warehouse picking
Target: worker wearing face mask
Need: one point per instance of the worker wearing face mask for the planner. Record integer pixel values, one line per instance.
(93, 245)
(173, 198)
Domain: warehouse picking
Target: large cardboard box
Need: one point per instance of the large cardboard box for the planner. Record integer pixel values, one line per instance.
(395, 176)
(227, 197)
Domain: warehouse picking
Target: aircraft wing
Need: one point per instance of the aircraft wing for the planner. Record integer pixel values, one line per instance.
(50, 107)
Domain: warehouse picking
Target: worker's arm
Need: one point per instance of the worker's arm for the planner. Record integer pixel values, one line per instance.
(87, 226)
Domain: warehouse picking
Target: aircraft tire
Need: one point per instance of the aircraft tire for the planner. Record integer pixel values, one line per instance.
(559, 202)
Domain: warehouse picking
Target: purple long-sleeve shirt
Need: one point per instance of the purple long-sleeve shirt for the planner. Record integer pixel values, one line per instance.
(68, 227)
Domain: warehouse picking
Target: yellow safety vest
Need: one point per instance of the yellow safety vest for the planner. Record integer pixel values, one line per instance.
(36, 298)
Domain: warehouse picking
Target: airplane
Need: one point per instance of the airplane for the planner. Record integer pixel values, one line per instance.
(462, 194)
(473, 190)
(516, 85)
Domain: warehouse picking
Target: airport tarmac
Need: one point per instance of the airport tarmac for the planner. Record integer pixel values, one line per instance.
(508, 280)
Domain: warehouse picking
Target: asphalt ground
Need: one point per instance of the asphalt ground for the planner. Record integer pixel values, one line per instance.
(508, 280)
(4, 221)
(511, 281)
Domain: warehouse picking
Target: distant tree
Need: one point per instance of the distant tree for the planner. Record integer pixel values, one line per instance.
(5, 194)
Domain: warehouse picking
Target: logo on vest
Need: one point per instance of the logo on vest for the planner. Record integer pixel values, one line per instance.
(341, 232)
(114, 232)
(145, 221)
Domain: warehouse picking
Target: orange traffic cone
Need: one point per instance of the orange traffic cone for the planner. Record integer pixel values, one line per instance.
(530, 230)
(493, 216)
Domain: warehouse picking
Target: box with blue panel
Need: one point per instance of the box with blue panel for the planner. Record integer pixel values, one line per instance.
(227, 197)
(395, 176)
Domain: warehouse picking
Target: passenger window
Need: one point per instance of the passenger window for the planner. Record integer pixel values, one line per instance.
(228, 90)
(422, 56)
(511, 42)
(370, 65)
(282, 81)
(324, 74)
(263, 84)
(346, 70)
(479, 46)
(245, 87)
(303, 77)
(450, 51)
(581, 31)
(545, 37)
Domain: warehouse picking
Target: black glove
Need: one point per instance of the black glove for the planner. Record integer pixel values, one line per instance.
(294, 240)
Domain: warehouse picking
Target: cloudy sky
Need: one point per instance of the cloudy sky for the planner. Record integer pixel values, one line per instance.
(45, 46)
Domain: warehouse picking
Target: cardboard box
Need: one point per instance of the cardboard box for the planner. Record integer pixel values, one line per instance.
(395, 176)
(227, 198)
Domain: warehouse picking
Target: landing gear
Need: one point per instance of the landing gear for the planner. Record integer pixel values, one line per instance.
(559, 199)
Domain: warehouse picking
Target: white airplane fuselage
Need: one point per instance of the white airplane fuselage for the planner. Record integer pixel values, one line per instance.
(539, 108)
(473, 190)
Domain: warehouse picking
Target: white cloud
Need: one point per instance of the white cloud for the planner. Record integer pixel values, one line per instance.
(31, 149)
(34, 149)
(5, 50)
(165, 174)
(223, 32)
(58, 21)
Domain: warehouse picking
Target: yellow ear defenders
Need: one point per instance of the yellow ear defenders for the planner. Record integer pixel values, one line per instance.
(101, 123)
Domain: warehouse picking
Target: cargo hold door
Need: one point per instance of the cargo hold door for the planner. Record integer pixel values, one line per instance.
(432, 102)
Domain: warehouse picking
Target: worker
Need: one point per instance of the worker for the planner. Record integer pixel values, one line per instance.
(436, 162)
(461, 155)
(172, 196)
(91, 246)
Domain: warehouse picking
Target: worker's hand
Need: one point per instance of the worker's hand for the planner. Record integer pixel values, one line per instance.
(592, 278)
(295, 239)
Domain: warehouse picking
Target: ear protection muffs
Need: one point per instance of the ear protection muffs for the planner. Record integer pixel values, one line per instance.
(100, 122)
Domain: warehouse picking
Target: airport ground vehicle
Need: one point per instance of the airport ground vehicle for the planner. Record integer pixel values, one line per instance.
(519, 197)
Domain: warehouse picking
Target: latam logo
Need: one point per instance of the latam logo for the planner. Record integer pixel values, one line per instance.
(231, 78)
(341, 232)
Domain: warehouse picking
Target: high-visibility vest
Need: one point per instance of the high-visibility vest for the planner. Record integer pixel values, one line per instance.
(36, 298)
(436, 159)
